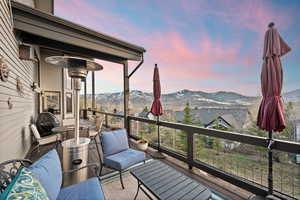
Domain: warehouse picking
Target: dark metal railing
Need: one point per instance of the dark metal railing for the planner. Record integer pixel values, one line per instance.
(106, 115)
(190, 130)
(281, 145)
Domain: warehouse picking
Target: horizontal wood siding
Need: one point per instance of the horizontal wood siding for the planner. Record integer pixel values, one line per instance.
(14, 123)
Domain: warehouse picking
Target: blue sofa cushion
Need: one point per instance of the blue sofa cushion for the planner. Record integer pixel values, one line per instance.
(86, 190)
(48, 171)
(124, 159)
(114, 142)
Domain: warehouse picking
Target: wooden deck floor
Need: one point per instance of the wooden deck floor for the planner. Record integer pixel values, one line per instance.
(113, 191)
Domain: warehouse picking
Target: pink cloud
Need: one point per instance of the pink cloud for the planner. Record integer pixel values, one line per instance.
(83, 13)
(183, 61)
(179, 60)
(178, 63)
(186, 65)
(112, 72)
(297, 43)
(253, 15)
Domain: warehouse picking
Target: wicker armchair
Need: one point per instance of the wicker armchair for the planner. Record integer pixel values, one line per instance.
(94, 132)
(55, 138)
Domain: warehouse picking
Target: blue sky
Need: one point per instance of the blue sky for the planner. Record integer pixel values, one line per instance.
(207, 45)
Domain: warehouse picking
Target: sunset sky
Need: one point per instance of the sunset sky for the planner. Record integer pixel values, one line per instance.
(207, 45)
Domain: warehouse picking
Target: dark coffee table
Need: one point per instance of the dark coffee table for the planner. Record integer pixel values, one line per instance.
(165, 182)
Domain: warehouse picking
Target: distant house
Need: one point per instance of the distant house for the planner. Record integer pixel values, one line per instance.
(116, 121)
(228, 117)
(145, 114)
(137, 126)
(297, 137)
(226, 121)
(168, 115)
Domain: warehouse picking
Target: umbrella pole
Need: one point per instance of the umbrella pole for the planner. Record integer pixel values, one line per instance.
(270, 163)
(157, 154)
(158, 134)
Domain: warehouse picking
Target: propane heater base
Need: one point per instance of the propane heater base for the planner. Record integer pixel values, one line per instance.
(75, 155)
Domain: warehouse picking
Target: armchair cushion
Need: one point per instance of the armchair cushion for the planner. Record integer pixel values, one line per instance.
(48, 171)
(86, 190)
(124, 159)
(114, 142)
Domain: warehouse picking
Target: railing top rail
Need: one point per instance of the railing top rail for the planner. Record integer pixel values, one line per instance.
(106, 113)
(281, 145)
(287, 146)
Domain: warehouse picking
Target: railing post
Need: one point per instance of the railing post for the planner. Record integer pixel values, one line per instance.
(85, 101)
(93, 91)
(106, 120)
(126, 92)
(190, 148)
(128, 126)
(270, 163)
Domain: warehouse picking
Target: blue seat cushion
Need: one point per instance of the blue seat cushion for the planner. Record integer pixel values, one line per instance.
(48, 171)
(124, 159)
(114, 142)
(86, 190)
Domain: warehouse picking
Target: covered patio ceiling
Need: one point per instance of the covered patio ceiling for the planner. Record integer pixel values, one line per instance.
(35, 27)
(46, 30)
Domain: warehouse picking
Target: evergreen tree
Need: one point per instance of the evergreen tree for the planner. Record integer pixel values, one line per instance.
(254, 129)
(288, 132)
(145, 109)
(187, 119)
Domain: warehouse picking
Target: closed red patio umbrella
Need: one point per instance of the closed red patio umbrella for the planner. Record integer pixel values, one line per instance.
(271, 113)
(156, 108)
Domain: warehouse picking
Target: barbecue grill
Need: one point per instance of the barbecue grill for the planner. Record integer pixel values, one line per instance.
(45, 122)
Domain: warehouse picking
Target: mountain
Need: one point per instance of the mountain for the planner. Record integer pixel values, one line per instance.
(292, 96)
(200, 99)
(177, 100)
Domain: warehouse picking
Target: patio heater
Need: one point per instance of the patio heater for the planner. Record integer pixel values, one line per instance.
(75, 151)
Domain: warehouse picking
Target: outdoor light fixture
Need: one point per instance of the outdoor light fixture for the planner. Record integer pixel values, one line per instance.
(35, 87)
(4, 70)
(25, 52)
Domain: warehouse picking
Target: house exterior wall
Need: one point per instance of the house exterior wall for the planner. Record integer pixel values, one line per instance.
(30, 3)
(53, 79)
(15, 137)
(43, 5)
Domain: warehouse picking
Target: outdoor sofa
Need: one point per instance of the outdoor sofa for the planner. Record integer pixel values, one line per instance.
(43, 180)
